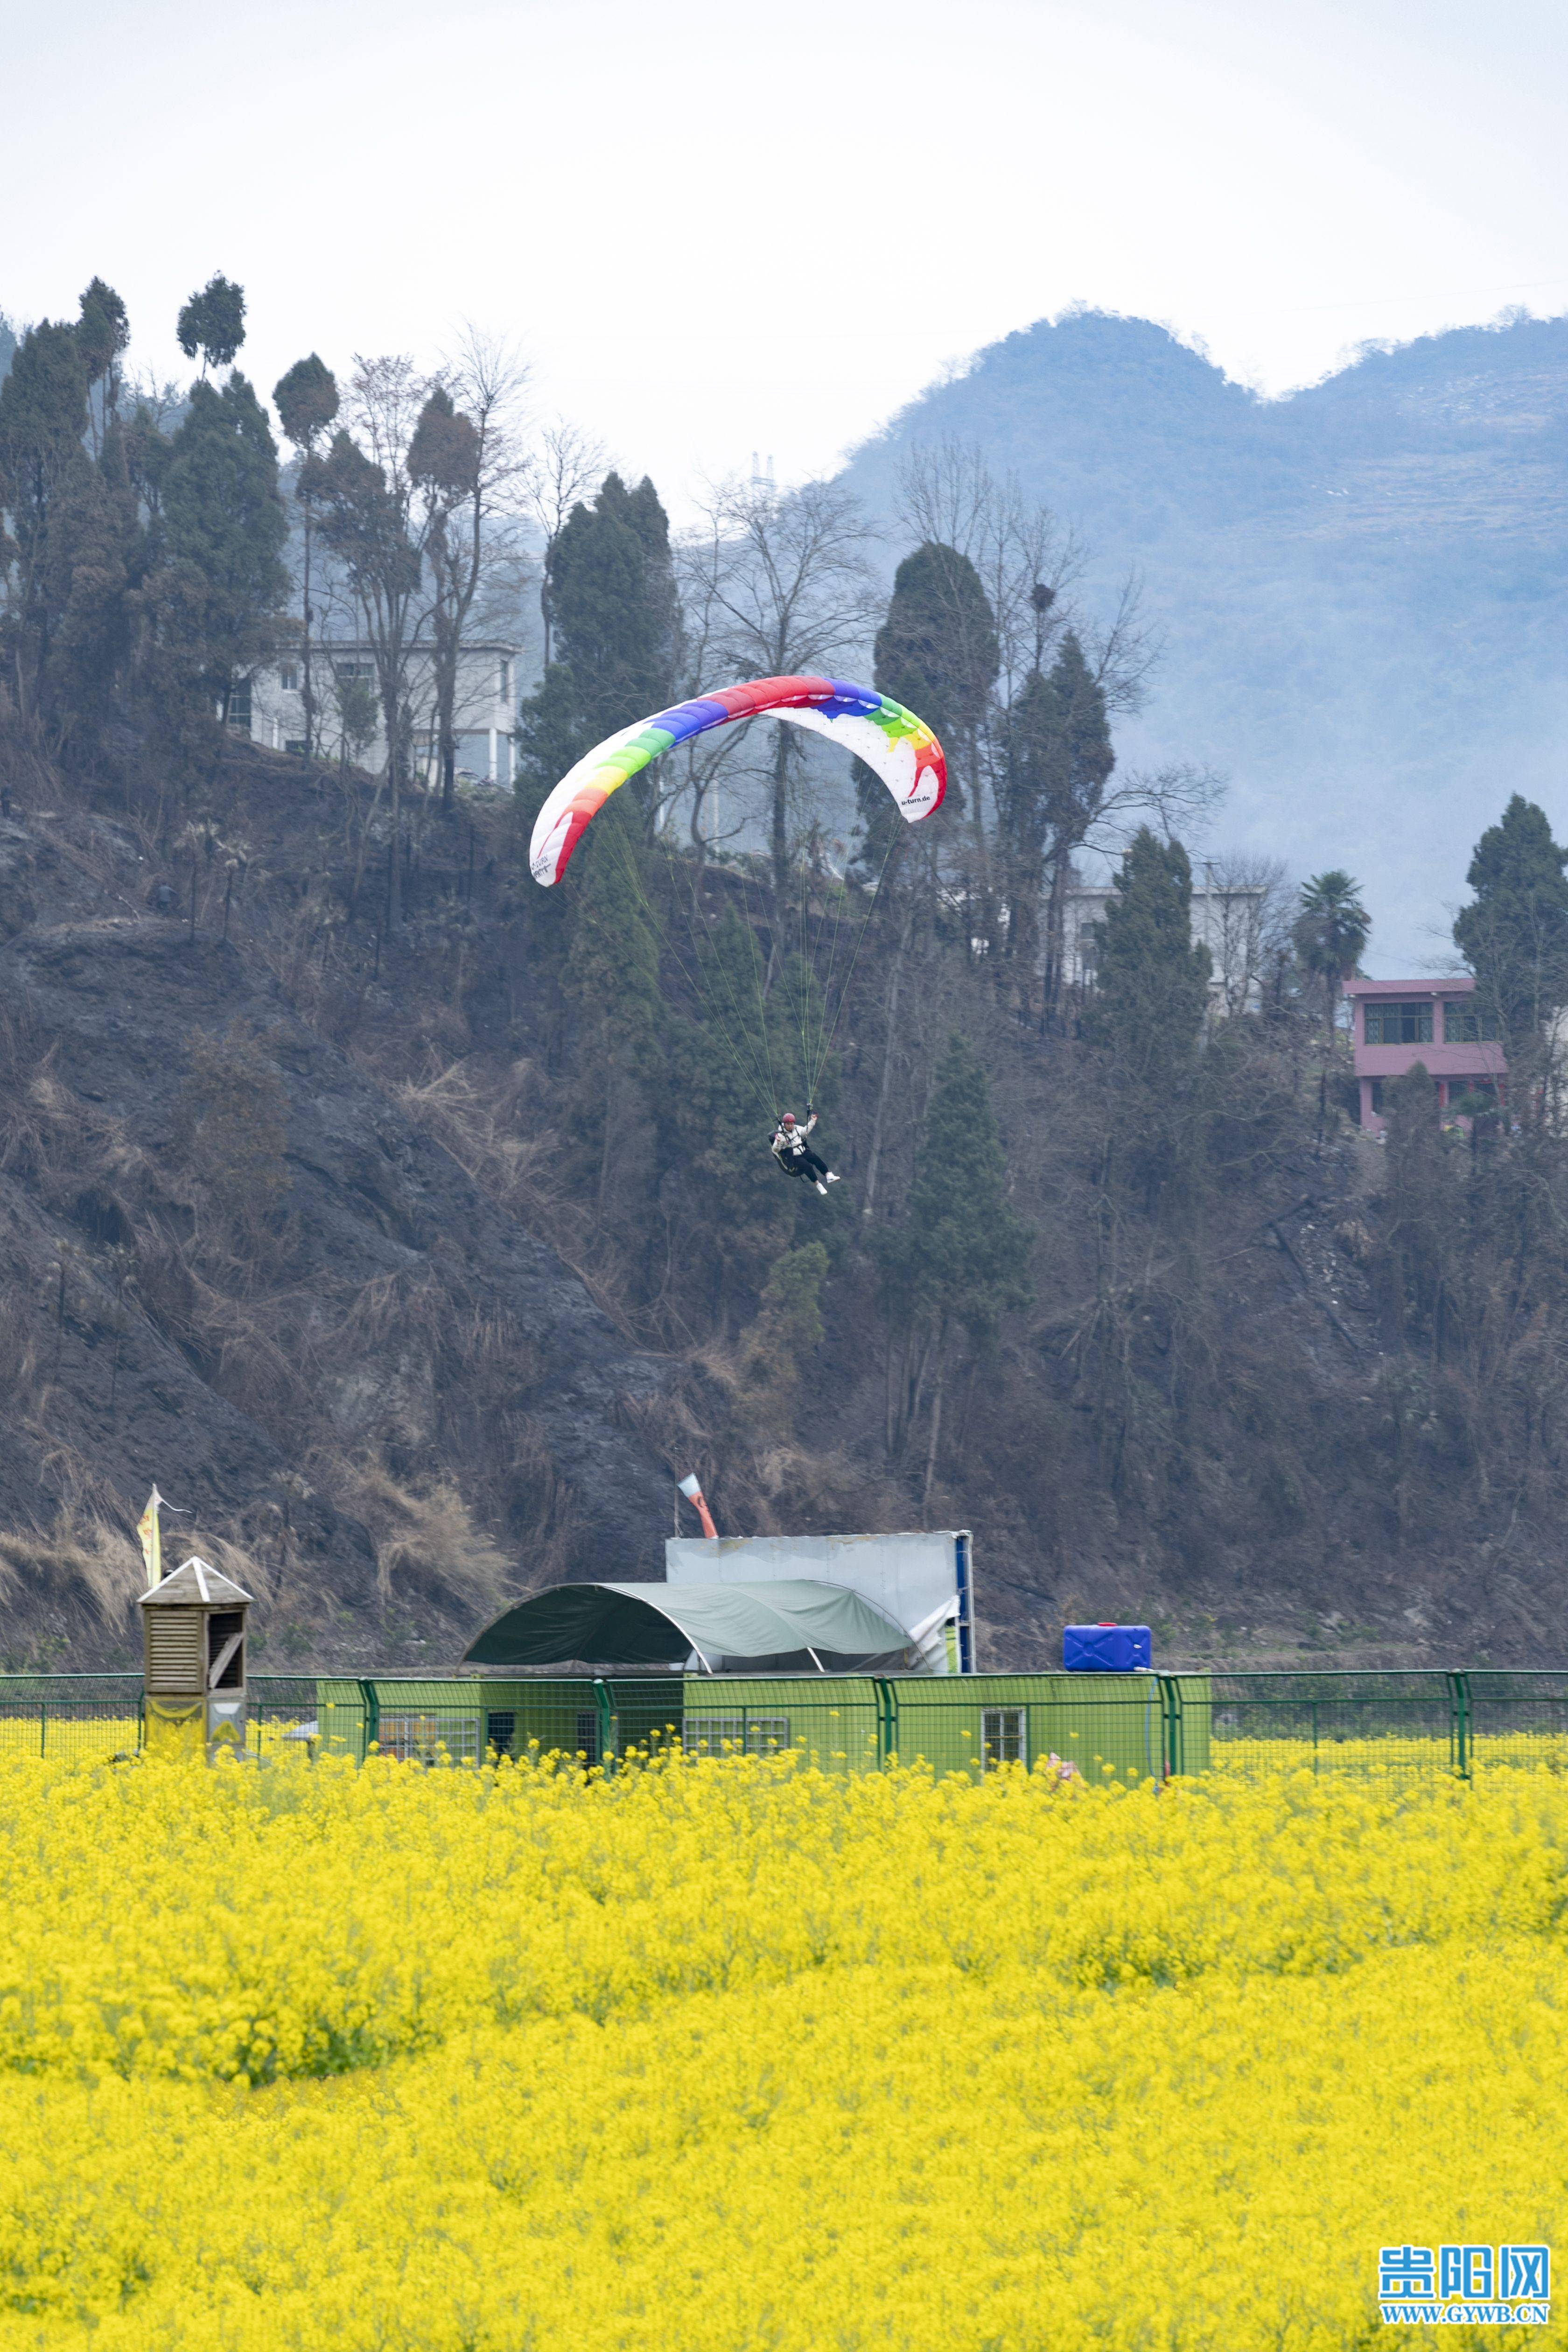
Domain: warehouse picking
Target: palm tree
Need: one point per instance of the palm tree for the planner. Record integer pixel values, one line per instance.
(1332, 933)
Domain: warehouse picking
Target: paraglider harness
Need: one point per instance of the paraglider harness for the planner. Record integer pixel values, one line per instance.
(795, 1155)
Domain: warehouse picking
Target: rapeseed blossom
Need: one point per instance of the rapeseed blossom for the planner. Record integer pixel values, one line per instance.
(745, 2054)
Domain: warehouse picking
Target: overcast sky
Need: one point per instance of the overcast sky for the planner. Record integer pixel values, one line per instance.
(715, 229)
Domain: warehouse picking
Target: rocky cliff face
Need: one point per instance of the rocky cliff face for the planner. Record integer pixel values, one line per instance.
(231, 1263)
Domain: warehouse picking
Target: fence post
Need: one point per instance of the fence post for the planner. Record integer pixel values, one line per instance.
(604, 1699)
(367, 1692)
(886, 1720)
(1171, 1723)
(1460, 1723)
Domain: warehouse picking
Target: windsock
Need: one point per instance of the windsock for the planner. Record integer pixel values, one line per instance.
(693, 1493)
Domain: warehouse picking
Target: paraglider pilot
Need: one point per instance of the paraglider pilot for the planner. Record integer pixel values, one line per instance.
(795, 1155)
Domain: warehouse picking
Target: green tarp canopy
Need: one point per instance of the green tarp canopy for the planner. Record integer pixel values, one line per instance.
(787, 1625)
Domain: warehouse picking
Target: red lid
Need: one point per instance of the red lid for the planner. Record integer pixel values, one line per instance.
(1105, 1624)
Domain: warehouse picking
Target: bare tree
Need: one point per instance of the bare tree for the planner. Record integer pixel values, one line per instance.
(783, 581)
(567, 465)
(1031, 568)
(1249, 918)
(376, 523)
(466, 463)
(949, 497)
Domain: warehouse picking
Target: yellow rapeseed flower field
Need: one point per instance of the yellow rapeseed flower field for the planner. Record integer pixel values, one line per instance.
(745, 2054)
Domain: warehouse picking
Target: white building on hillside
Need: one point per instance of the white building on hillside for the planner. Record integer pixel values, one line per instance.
(1226, 918)
(270, 707)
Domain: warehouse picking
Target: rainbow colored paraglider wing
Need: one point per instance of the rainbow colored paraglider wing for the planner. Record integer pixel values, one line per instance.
(890, 739)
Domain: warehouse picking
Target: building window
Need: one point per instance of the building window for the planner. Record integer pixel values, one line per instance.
(1463, 1025)
(424, 1738)
(289, 676)
(1002, 1737)
(240, 707)
(501, 1731)
(712, 1735)
(1377, 1098)
(1398, 1024)
(355, 669)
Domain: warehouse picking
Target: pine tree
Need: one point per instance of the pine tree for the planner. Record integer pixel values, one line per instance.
(788, 1327)
(959, 1259)
(1514, 935)
(306, 399)
(73, 548)
(614, 613)
(732, 1071)
(548, 742)
(611, 974)
(446, 461)
(1151, 980)
(213, 322)
(612, 965)
(1059, 761)
(367, 521)
(44, 466)
(223, 517)
(937, 652)
(98, 555)
(103, 334)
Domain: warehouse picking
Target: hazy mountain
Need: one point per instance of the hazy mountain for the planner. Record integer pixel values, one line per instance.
(1364, 586)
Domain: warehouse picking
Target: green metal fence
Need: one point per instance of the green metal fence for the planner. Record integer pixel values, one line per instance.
(283, 1711)
(71, 1714)
(1467, 1722)
(1324, 1722)
(1511, 1717)
(1463, 1721)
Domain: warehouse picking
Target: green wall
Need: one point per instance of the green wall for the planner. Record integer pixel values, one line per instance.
(832, 1718)
(1104, 1724)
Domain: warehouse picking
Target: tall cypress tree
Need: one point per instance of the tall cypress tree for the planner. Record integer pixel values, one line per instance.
(615, 618)
(1514, 933)
(103, 334)
(223, 517)
(937, 652)
(1151, 980)
(43, 467)
(1057, 760)
(306, 399)
(213, 322)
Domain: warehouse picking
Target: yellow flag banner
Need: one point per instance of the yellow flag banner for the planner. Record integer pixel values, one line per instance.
(152, 1541)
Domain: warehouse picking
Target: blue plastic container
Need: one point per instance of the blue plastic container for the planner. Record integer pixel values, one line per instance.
(1106, 1649)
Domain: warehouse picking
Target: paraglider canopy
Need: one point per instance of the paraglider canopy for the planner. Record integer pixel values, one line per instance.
(900, 748)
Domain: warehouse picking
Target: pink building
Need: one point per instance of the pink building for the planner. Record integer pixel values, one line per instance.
(1398, 1022)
